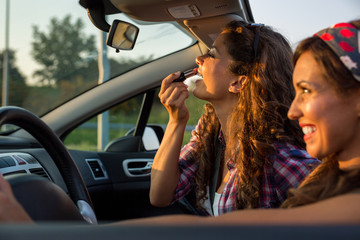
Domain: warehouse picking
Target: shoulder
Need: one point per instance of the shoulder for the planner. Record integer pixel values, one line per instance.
(351, 199)
(291, 164)
(356, 191)
(290, 154)
(341, 208)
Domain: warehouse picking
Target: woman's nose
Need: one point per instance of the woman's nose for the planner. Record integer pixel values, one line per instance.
(199, 60)
(294, 112)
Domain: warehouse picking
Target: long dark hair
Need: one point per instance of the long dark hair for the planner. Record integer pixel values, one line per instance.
(260, 116)
(327, 180)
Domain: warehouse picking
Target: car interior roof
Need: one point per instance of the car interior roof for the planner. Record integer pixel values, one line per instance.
(201, 18)
(158, 10)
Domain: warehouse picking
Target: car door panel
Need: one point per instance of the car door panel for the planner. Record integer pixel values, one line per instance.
(123, 190)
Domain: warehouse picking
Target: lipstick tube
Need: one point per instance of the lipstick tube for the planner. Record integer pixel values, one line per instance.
(185, 75)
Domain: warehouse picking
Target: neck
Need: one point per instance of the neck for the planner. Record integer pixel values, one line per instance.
(349, 156)
(223, 112)
(350, 164)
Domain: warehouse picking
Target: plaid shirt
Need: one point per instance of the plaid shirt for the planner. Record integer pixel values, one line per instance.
(290, 165)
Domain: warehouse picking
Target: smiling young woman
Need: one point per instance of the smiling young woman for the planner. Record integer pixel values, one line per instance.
(327, 106)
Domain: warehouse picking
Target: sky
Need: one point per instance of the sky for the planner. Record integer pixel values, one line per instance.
(298, 19)
(295, 19)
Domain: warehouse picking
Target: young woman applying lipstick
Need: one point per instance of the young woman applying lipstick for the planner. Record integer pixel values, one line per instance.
(246, 80)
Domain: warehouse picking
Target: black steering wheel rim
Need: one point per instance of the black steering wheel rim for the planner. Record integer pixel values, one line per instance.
(54, 146)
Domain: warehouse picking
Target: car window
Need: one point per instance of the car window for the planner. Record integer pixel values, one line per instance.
(56, 55)
(160, 116)
(117, 122)
(122, 118)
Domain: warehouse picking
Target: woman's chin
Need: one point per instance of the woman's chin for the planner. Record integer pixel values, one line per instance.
(197, 93)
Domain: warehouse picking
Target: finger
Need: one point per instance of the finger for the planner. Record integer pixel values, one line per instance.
(166, 93)
(173, 93)
(176, 98)
(181, 98)
(168, 80)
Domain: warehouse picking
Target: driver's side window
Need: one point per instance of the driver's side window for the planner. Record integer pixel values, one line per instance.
(117, 122)
(96, 133)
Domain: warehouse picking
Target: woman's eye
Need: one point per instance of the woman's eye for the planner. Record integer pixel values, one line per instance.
(210, 54)
(305, 90)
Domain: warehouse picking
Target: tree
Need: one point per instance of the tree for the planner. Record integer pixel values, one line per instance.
(18, 90)
(65, 52)
(68, 60)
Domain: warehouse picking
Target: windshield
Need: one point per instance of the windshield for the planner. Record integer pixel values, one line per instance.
(47, 59)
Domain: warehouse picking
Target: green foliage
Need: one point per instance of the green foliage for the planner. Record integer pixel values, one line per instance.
(41, 99)
(160, 115)
(69, 64)
(68, 57)
(127, 108)
(18, 90)
(64, 53)
(196, 109)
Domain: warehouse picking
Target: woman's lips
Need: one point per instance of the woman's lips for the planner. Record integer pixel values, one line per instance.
(308, 130)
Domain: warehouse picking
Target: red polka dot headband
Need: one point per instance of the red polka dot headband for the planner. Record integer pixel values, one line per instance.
(344, 40)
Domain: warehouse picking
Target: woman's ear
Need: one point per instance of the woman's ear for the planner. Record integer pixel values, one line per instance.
(238, 84)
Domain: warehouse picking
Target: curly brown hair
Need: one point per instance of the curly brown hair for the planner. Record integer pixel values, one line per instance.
(260, 116)
(327, 180)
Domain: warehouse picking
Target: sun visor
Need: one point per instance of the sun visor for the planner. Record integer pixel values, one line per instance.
(208, 29)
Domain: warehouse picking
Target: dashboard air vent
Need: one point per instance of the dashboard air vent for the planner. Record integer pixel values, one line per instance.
(15, 172)
(40, 172)
(97, 169)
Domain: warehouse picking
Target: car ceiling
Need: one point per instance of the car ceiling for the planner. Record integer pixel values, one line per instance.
(202, 18)
(161, 10)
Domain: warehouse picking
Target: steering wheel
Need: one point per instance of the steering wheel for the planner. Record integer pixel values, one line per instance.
(60, 155)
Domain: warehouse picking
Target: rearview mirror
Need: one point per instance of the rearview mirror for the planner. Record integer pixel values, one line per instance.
(122, 35)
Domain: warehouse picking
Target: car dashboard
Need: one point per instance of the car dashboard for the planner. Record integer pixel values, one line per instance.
(118, 183)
